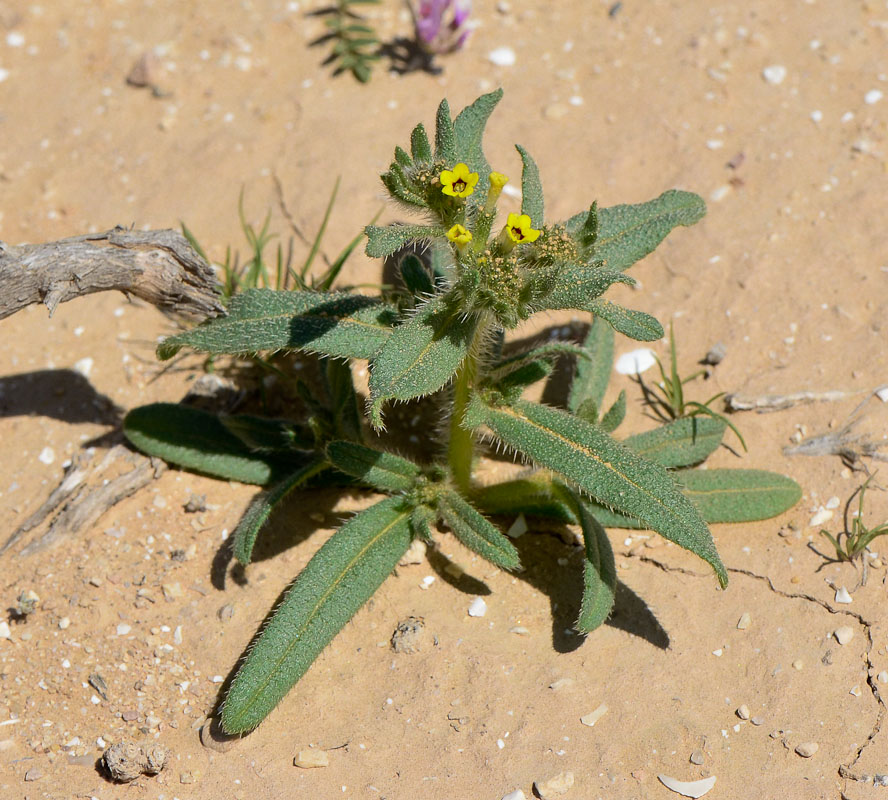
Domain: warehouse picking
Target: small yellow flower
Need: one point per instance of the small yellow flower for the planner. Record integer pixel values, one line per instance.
(519, 230)
(458, 182)
(459, 235)
(497, 181)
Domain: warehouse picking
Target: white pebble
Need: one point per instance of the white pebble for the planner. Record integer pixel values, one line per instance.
(576, 100)
(5, 633)
(688, 788)
(95, 700)
(47, 456)
(500, 744)
(554, 786)
(816, 115)
(882, 676)
(873, 96)
(807, 749)
(66, 664)
(743, 712)
(744, 621)
(844, 634)
(427, 581)
(820, 516)
(311, 759)
(882, 394)
(833, 502)
(516, 795)
(855, 691)
(123, 629)
(718, 653)
(84, 366)
(715, 144)
(502, 56)
(15, 39)
(775, 74)
(64, 622)
(720, 193)
(517, 528)
(590, 719)
(478, 608)
(177, 635)
(842, 595)
(635, 361)
(4, 74)
(217, 679)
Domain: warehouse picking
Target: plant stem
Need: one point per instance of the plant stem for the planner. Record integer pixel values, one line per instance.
(461, 445)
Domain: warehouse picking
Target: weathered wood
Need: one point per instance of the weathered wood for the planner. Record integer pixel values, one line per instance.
(159, 267)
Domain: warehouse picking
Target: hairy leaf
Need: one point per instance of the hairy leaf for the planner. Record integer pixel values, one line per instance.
(445, 137)
(264, 435)
(419, 145)
(615, 415)
(599, 573)
(549, 351)
(421, 355)
(384, 471)
(593, 374)
(383, 241)
(634, 324)
(608, 471)
(476, 532)
(537, 494)
(680, 443)
(627, 233)
(344, 409)
(578, 285)
(334, 323)
(263, 505)
(416, 277)
(198, 441)
(738, 495)
(531, 189)
(334, 585)
(515, 381)
(469, 129)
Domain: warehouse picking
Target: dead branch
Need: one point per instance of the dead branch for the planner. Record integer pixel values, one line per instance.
(159, 267)
(779, 402)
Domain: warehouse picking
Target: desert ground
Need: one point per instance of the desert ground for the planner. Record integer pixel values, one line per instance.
(773, 112)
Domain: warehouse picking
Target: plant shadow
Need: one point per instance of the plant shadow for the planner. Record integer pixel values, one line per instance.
(62, 394)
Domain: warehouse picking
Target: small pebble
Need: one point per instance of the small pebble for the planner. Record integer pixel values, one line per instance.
(882, 677)
(873, 96)
(415, 554)
(774, 74)
(225, 612)
(688, 788)
(555, 786)
(64, 622)
(635, 361)
(855, 691)
(561, 683)
(5, 633)
(47, 456)
(518, 528)
(478, 608)
(408, 635)
(33, 774)
(844, 634)
(757, 721)
(502, 56)
(842, 595)
(820, 516)
(591, 718)
(520, 630)
(696, 757)
(311, 759)
(172, 591)
(84, 366)
(743, 712)
(744, 621)
(516, 795)
(123, 629)
(807, 749)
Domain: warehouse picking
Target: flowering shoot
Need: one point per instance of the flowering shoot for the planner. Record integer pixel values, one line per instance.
(458, 182)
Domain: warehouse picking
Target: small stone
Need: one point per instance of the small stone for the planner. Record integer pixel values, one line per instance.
(196, 504)
(635, 361)
(416, 554)
(64, 622)
(842, 595)
(807, 749)
(516, 795)
(798, 665)
(5, 633)
(146, 72)
(311, 759)
(757, 721)
(561, 683)
(478, 608)
(33, 774)
(123, 629)
(696, 757)
(744, 622)
(518, 528)
(83, 366)
(590, 719)
(47, 456)
(717, 352)
(882, 677)
(186, 777)
(226, 612)
(408, 635)
(555, 786)
(855, 691)
(502, 56)
(214, 738)
(519, 630)
(555, 111)
(873, 96)
(821, 516)
(172, 591)
(774, 74)
(844, 634)
(743, 712)
(131, 715)
(95, 581)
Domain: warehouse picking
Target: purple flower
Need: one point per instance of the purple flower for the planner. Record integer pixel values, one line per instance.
(436, 35)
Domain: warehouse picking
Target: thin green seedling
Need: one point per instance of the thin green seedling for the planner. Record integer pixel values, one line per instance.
(851, 543)
(436, 338)
(667, 397)
(355, 45)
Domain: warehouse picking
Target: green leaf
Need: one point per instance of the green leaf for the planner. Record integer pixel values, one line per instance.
(416, 277)
(344, 409)
(402, 158)
(198, 441)
(394, 181)
(537, 494)
(263, 504)
(334, 585)
(627, 233)
(445, 136)
(615, 414)
(593, 374)
(738, 495)
(384, 471)
(476, 532)
(531, 189)
(634, 324)
(421, 355)
(605, 469)
(420, 148)
(599, 573)
(264, 435)
(328, 323)
(516, 380)
(469, 130)
(578, 285)
(588, 411)
(383, 241)
(680, 443)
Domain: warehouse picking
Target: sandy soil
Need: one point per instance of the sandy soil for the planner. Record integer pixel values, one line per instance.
(789, 270)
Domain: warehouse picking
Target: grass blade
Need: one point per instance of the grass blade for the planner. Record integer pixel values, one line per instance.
(334, 585)
(316, 244)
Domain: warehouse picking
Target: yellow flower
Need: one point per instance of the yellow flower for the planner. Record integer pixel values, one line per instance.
(519, 230)
(458, 182)
(459, 235)
(497, 181)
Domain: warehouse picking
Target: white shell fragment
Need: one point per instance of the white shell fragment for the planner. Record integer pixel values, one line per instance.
(590, 719)
(844, 634)
(688, 788)
(478, 608)
(842, 595)
(635, 361)
(516, 795)
(820, 516)
(518, 527)
(502, 56)
(882, 393)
